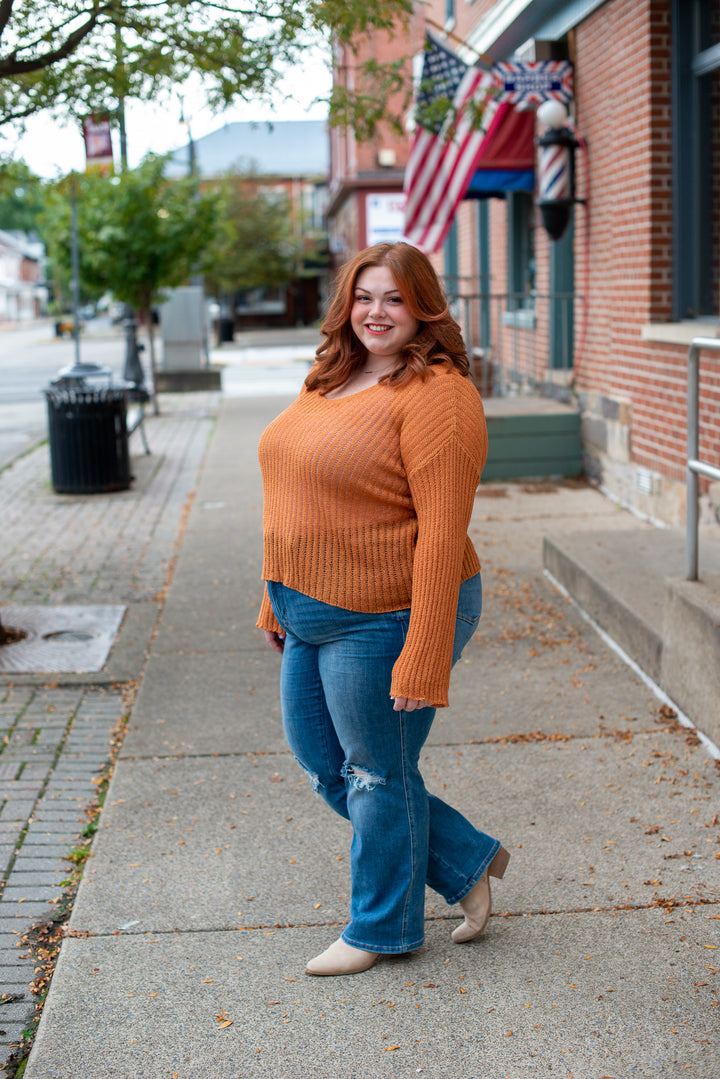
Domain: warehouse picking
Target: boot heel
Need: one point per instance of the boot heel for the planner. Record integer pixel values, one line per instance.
(499, 863)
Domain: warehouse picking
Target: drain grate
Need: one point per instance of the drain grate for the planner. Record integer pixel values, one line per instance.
(59, 639)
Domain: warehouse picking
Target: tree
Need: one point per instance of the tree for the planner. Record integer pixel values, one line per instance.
(138, 234)
(255, 247)
(21, 197)
(81, 56)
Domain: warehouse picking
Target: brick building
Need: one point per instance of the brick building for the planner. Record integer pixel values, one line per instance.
(602, 317)
(23, 294)
(287, 160)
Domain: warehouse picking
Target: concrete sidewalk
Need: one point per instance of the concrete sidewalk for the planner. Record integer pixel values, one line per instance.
(216, 873)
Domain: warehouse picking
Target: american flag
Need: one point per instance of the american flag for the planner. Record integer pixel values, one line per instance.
(450, 133)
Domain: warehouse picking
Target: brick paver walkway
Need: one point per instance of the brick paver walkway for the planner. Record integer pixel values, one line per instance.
(56, 739)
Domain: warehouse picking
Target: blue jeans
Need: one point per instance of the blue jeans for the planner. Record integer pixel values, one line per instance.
(363, 758)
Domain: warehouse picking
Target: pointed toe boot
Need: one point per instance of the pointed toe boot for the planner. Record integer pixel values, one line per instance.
(341, 958)
(477, 904)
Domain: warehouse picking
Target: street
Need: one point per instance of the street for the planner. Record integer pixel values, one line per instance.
(31, 356)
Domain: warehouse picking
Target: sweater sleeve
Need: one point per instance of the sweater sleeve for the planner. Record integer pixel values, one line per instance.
(443, 488)
(266, 618)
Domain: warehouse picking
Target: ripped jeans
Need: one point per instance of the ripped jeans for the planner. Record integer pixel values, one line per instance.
(363, 758)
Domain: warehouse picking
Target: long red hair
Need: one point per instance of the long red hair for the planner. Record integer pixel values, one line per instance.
(437, 341)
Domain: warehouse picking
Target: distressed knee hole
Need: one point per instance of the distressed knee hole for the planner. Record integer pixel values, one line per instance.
(360, 778)
(312, 776)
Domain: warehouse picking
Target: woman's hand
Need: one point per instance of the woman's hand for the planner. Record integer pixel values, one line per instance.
(275, 640)
(408, 704)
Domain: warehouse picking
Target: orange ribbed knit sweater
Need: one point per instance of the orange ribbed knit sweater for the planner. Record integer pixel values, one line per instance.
(367, 504)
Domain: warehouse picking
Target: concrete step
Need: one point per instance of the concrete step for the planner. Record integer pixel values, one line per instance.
(631, 582)
(532, 437)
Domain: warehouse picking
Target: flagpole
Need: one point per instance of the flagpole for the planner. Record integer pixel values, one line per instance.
(482, 56)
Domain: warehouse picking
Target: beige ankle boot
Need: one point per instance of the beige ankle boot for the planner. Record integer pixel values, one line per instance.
(341, 958)
(477, 904)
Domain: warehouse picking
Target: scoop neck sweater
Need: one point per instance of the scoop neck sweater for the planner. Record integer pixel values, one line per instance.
(367, 501)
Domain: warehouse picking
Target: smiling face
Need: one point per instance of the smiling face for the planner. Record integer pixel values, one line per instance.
(379, 317)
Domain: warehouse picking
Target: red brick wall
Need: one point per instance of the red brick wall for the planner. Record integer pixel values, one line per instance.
(623, 235)
(623, 82)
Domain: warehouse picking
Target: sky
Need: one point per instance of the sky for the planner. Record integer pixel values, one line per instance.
(52, 149)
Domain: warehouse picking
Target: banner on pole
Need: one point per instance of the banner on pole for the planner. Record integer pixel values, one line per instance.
(98, 144)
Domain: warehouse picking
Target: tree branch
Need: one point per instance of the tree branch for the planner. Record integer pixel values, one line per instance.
(11, 66)
(5, 13)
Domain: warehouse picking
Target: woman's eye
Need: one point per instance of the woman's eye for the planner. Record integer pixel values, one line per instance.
(362, 298)
(395, 299)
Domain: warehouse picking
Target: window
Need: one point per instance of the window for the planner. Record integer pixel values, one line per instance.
(450, 258)
(696, 158)
(520, 259)
(484, 270)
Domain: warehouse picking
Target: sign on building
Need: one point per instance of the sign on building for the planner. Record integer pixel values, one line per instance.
(384, 217)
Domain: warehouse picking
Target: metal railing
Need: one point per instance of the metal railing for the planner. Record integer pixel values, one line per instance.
(695, 467)
(522, 342)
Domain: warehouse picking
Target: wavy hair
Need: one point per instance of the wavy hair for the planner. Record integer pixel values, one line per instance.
(437, 341)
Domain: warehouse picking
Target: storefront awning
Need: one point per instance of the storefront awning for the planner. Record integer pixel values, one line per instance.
(507, 157)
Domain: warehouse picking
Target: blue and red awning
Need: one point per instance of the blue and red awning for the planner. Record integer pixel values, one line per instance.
(507, 157)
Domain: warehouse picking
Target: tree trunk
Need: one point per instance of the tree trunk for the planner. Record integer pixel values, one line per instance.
(153, 363)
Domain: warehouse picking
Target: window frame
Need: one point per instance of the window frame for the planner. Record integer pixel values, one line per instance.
(520, 299)
(693, 294)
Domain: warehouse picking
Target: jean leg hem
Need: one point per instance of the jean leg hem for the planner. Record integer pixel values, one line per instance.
(383, 949)
(462, 892)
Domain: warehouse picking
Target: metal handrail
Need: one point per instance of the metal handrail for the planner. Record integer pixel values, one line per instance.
(695, 467)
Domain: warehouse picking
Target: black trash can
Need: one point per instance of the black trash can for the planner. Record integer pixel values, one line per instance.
(226, 329)
(88, 439)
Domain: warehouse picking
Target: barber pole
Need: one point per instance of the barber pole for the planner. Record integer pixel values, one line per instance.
(556, 179)
(553, 172)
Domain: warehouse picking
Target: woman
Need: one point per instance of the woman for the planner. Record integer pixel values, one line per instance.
(373, 590)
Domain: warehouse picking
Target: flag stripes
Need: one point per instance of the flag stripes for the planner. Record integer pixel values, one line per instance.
(457, 108)
(442, 158)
